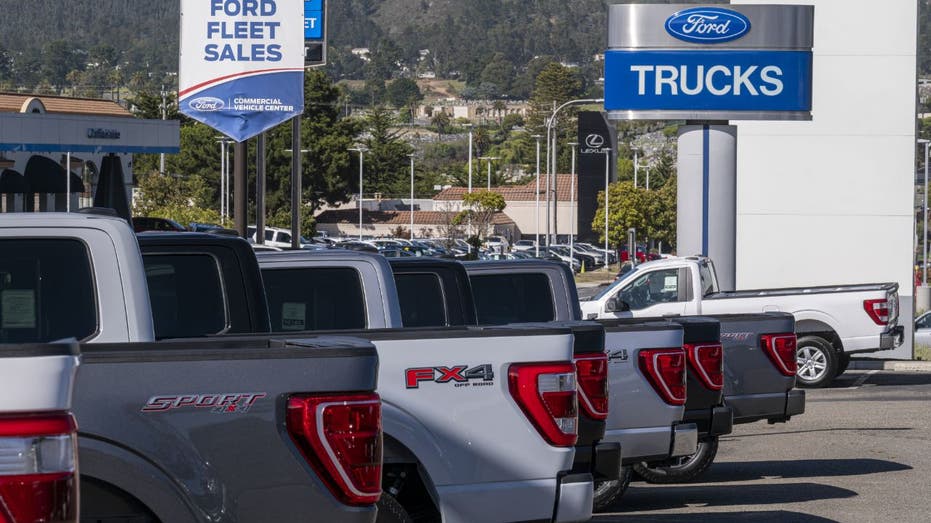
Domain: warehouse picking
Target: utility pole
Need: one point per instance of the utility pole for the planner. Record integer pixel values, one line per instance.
(260, 189)
(296, 174)
(240, 198)
(161, 161)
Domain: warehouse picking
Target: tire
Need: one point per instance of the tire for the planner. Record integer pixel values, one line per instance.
(390, 511)
(843, 361)
(680, 470)
(607, 493)
(817, 362)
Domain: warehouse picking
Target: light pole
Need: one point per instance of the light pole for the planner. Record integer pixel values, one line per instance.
(361, 151)
(470, 156)
(607, 152)
(537, 240)
(411, 235)
(924, 219)
(296, 173)
(489, 159)
(572, 223)
(551, 153)
(224, 178)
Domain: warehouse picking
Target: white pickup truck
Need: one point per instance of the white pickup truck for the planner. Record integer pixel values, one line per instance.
(832, 322)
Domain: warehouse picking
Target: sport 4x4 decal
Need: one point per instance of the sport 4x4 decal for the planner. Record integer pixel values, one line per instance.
(460, 375)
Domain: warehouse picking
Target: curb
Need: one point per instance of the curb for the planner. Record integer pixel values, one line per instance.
(901, 366)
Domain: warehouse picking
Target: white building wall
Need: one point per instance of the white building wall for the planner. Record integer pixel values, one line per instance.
(831, 200)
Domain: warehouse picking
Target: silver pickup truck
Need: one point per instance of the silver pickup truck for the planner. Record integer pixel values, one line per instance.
(466, 435)
(187, 430)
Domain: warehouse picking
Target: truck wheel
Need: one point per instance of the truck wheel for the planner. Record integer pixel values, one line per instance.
(843, 361)
(607, 493)
(817, 362)
(390, 511)
(680, 470)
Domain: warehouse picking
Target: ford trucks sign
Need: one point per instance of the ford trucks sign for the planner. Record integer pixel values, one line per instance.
(746, 62)
(707, 25)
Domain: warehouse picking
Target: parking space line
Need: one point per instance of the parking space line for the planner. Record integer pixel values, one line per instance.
(862, 379)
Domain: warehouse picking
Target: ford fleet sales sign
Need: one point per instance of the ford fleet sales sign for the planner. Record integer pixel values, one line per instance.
(746, 62)
(242, 64)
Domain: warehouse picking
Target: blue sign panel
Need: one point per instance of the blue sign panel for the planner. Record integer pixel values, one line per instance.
(707, 25)
(313, 19)
(708, 81)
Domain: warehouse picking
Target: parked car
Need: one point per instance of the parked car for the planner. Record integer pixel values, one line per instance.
(277, 237)
(524, 245)
(923, 329)
(832, 322)
(497, 244)
(143, 224)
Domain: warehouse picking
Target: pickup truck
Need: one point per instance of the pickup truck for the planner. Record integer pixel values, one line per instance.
(438, 292)
(193, 430)
(831, 322)
(450, 397)
(38, 465)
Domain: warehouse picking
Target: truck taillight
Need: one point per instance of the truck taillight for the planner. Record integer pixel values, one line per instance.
(882, 312)
(546, 393)
(708, 361)
(340, 436)
(592, 372)
(781, 350)
(38, 476)
(665, 370)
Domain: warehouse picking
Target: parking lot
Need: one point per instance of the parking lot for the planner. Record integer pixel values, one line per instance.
(860, 453)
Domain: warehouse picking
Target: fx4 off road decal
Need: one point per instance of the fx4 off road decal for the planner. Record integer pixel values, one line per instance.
(226, 403)
(458, 375)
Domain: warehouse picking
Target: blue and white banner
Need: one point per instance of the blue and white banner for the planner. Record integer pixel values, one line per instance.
(242, 64)
(699, 80)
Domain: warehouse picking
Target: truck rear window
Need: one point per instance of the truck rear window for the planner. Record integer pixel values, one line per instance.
(422, 300)
(312, 299)
(512, 298)
(186, 293)
(46, 291)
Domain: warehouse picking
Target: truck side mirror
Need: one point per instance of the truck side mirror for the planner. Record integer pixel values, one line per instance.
(615, 304)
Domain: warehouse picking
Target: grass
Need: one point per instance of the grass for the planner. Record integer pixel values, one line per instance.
(922, 353)
(597, 276)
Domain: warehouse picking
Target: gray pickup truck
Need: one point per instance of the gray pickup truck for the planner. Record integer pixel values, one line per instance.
(758, 377)
(195, 430)
(462, 442)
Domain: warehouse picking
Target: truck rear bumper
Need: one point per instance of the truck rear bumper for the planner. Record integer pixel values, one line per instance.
(888, 340)
(654, 443)
(564, 499)
(775, 407)
(714, 421)
(602, 460)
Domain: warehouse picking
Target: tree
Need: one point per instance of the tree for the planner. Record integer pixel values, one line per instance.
(183, 200)
(555, 85)
(58, 61)
(403, 92)
(652, 213)
(386, 162)
(481, 207)
(499, 71)
(440, 121)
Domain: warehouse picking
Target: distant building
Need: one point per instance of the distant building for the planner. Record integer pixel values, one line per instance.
(427, 224)
(362, 52)
(472, 110)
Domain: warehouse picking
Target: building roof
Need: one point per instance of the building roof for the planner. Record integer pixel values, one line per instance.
(16, 103)
(351, 216)
(517, 193)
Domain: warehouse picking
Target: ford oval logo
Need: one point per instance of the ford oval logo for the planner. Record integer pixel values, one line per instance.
(207, 104)
(707, 25)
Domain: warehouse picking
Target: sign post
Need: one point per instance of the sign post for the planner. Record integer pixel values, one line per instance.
(708, 65)
(241, 71)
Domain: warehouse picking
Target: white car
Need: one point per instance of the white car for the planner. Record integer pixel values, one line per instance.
(497, 244)
(524, 245)
(276, 237)
(923, 330)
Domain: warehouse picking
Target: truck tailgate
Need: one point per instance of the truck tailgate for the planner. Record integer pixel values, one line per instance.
(642, 421)
(753, 387)
(205, 419)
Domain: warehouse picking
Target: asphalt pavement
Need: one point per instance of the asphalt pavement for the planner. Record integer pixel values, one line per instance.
(860, 453)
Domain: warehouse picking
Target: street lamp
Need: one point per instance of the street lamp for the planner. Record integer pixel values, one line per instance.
(537, 241)
(924, 222)
(297, 172)
(470, 156)
(361, 151)
(572, 184)
(607, 152)
(411, 235)
(551, 154)
(489, 159)
(224, 177)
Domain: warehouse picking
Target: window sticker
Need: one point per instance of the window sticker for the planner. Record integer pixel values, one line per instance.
(18, 309)
(670, 284)
(292, 316)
